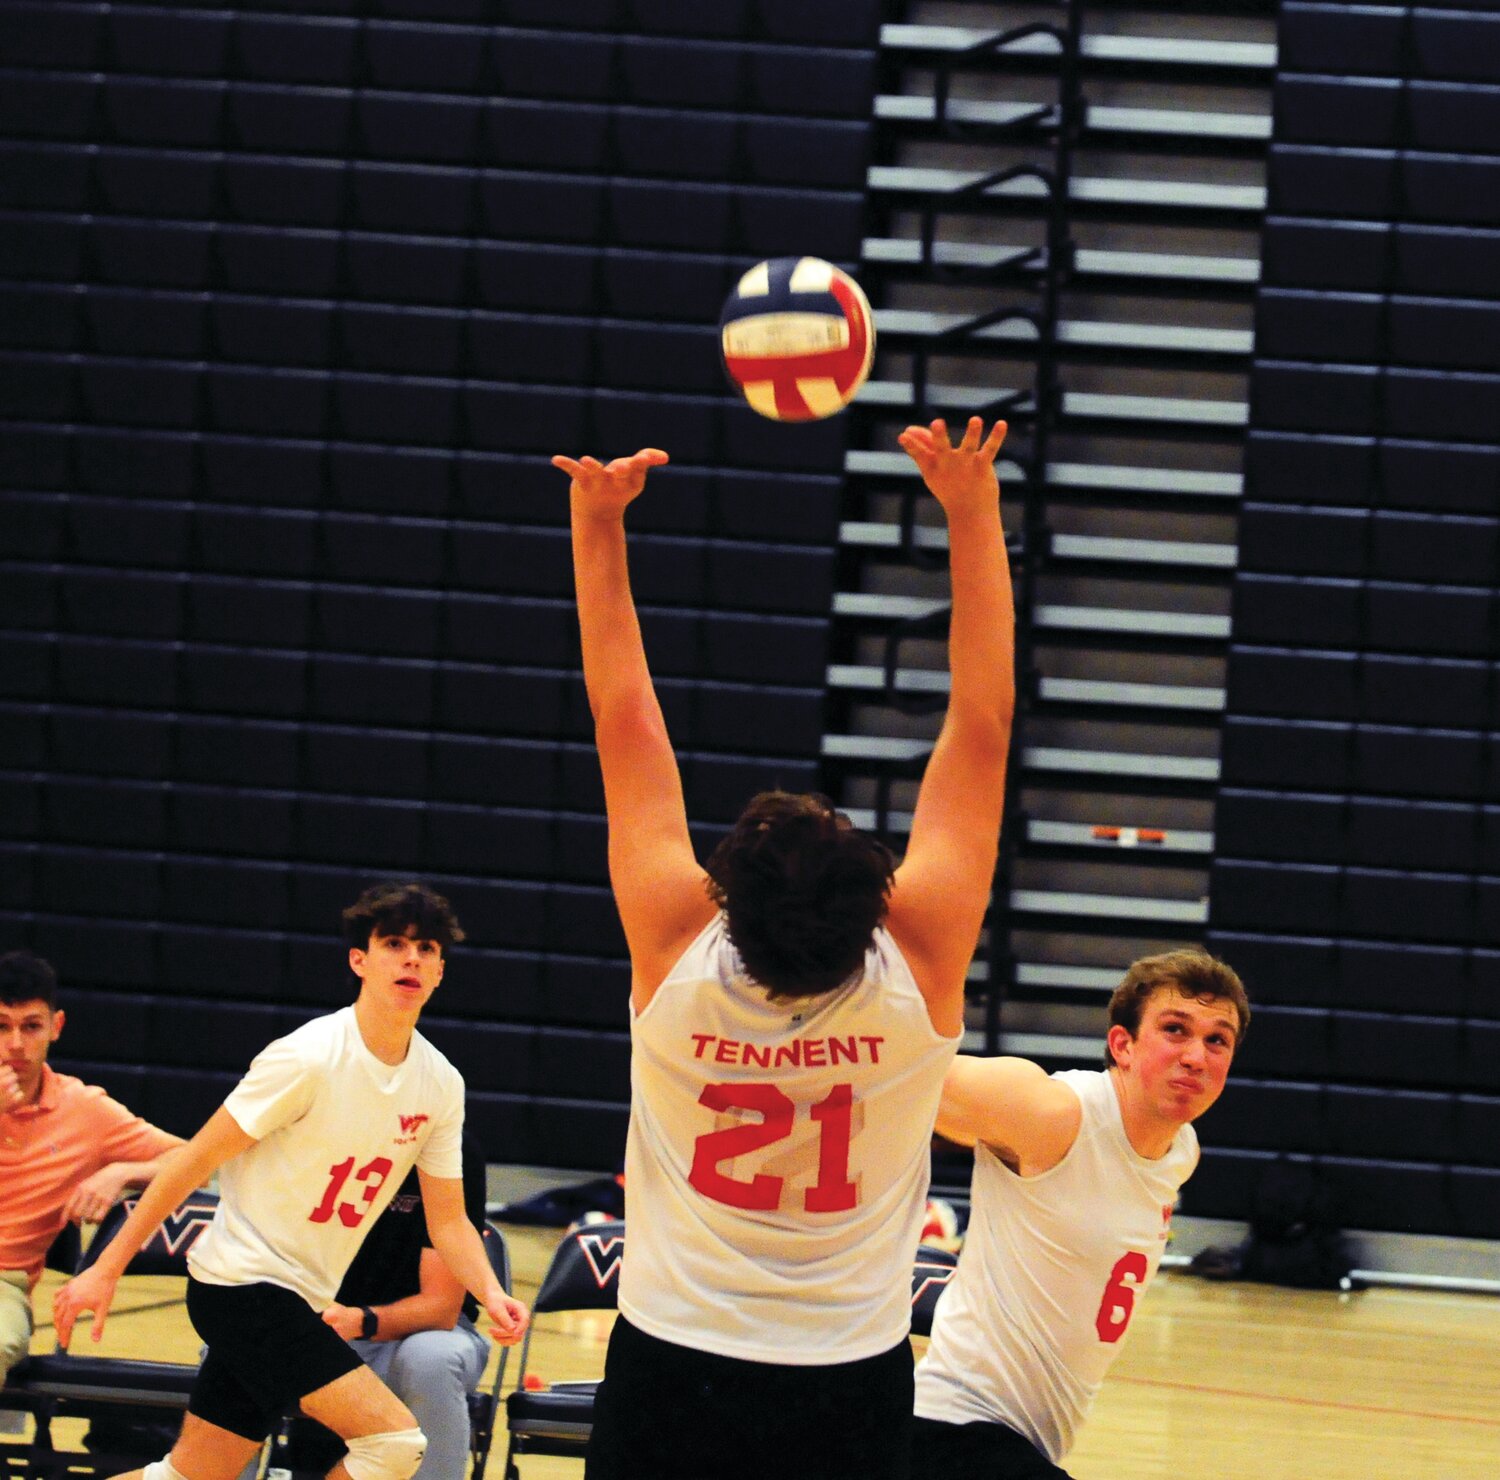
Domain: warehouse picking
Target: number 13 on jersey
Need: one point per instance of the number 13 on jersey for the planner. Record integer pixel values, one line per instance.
(833, 1192)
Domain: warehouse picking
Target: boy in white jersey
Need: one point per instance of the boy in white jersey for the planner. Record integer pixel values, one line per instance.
(311, 1147)
(793, 1009)
(1075, 1178)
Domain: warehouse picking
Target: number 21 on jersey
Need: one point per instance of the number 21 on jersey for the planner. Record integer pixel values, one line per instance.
(833, 1192)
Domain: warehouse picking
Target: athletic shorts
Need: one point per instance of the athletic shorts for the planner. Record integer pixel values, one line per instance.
(668, 1412)
(976, 1451)
(267, 1349)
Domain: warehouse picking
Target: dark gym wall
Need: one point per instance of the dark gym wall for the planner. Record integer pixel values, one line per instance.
(1357, 882)
(295, 300)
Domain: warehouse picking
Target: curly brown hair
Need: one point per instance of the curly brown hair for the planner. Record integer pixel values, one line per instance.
(803, 890)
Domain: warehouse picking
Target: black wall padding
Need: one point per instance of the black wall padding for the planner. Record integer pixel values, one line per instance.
(296, 298)
(1357, 881)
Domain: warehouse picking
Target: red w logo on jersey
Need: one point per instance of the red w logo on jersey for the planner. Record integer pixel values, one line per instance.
(410, 1125)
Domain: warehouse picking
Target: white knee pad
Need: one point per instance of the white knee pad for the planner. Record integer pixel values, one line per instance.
(392, 1456)
(163, 1469)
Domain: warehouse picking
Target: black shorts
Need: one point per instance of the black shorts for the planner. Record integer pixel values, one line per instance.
(267, 1348)
(668, 1412)
(976, 1451)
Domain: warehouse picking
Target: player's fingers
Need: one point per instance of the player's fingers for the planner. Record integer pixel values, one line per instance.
(652, 457)
(939, 430)
(973, 433)
(924, 458)
(996, 439)
(97, 1330)
(62, 1317)
(567, 465)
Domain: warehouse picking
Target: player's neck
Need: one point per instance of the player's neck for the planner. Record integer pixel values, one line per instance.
(385, 1033)
(1149, 1135)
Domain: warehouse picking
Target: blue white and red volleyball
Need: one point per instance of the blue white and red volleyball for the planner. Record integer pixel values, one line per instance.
(798, 338)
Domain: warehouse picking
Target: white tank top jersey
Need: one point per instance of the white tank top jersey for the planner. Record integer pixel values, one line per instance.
(336, 1133)
(1051, 1271)
(777, 1165)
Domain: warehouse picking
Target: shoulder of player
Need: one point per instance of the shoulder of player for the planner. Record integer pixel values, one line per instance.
(935, 966)
(430, 1059)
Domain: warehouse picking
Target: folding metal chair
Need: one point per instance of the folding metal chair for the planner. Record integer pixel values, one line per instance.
(62, 1385)
(584, 1275)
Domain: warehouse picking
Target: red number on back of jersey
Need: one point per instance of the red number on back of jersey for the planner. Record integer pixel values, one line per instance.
(1119, 1297)
(760, 1193)
(832, 1193)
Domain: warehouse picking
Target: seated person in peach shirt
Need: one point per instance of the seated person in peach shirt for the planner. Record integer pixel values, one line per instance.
(67, 1150)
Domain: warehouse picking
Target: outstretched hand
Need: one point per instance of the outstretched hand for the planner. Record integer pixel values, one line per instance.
(606, 488)
(89, 1291)
(959, 477)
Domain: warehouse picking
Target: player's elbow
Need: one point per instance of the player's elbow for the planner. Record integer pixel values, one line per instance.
(983, 729)
(627, 718)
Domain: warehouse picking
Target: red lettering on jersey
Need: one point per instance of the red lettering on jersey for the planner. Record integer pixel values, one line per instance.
(800, 1053)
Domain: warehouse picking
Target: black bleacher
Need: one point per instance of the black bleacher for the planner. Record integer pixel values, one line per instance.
(1357, 883)
(295, 300)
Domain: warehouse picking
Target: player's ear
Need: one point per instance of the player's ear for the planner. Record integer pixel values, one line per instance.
(59, 1017)
(1120, 1044)
(357, 961)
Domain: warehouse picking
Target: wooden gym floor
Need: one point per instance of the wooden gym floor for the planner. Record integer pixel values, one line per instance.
(1229, 1382)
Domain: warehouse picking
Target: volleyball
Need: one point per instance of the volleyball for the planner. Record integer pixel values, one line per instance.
(797, 338)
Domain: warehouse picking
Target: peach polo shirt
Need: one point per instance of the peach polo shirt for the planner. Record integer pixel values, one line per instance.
(48, 1147)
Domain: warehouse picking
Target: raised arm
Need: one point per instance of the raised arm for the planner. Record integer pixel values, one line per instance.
(183, 1171)
(942, 887)
(1029, 1119)
(658, 884)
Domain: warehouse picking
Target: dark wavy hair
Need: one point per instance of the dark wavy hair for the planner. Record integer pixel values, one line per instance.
(803, 891)
(393, 909)
(27, 978)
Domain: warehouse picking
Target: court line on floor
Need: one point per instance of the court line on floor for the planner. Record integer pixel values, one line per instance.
(119, 1312)
(1194, 1387)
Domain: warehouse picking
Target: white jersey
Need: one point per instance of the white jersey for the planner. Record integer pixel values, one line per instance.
(336, 1133)
(1051, 1270)
(777, 1164)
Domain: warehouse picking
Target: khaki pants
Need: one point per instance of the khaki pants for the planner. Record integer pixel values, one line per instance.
(15, 1319)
